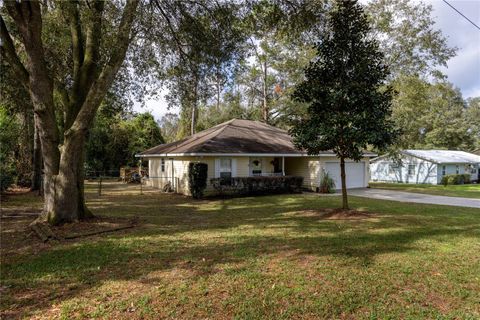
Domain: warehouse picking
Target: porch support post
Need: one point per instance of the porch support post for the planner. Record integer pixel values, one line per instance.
(283, 166)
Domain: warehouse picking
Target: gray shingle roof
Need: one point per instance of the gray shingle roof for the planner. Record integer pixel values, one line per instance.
(233, 137)
(444, 156)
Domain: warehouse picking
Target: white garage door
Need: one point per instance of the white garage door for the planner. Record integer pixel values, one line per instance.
(355, 172)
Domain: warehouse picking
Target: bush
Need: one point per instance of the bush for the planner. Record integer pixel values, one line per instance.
(197, 178)
(258, 185)
(6, 178)
(327, 185)
(450, 179)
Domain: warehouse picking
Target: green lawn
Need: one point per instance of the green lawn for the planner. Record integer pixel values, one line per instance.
(465, 190)
(270, 257)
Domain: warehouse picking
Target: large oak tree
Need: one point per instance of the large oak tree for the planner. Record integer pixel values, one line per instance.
(76, 96)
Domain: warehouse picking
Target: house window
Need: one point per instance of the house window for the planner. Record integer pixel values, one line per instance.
(470, 169)
(457, 169)
(162, 165)
(392, 168)
(225, 168)
(444, 170)
(411, 169)
(257, 167)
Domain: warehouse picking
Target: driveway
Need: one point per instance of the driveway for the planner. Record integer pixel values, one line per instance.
(402, 196)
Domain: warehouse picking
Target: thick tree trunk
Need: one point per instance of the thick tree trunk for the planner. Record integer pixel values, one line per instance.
(344, 184)
(192, 122)
(64, 195)
(265, 110)
(63, 163)
(36, 159)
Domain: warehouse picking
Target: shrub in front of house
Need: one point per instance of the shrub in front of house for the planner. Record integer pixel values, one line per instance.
(327, 185)
(450, 179)
(197, 178)
(257, 185)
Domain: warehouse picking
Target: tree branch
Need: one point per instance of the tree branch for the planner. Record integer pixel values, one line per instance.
(7, 50)
(70, 9)
(92, 46)
(102, 84)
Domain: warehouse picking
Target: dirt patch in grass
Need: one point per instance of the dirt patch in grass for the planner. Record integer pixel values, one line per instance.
(95, 225)
(338, 214)
(17, 238)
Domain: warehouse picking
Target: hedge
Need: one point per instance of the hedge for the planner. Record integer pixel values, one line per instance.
(197, 178)
(455, 179)
(258, 185)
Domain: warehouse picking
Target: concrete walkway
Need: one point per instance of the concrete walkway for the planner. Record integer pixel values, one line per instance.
(402, 196)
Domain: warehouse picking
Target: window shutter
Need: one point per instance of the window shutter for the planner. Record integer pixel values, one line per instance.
(217, 168)
(234, 167)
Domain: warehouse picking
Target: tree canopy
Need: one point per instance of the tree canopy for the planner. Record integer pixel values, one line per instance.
(348, 105)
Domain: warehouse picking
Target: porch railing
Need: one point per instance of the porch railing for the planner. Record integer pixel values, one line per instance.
(268, 174)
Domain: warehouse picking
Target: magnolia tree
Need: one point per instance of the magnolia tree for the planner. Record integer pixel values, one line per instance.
(349, 106)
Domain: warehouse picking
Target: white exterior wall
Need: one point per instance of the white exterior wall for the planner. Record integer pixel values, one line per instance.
(425, 171)
(310, 168)
(306, 167)
(451, 168)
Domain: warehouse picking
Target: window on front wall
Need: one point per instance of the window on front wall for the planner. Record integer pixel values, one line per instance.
(257, 167)
(162, 165)
(457, 169)
(411, 169)
(444, 170)
(225, 168)
(392, 168)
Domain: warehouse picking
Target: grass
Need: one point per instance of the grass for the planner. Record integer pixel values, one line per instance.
(267, 257)
(465, 190)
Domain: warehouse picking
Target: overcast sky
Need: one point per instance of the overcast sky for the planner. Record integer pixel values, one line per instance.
(463, 70)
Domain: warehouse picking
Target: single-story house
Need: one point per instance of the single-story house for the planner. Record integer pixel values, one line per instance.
(243, 148)
(424, 166)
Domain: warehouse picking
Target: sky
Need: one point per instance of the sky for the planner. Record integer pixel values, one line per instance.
(463, 70)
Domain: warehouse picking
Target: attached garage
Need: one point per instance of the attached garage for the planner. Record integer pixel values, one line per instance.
(355, 174)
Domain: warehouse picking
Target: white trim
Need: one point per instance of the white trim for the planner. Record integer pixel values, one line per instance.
(242, 155)
(406, 153)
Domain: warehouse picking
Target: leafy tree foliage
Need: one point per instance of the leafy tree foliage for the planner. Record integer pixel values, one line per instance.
(406, 34)
(473, 116)
(432, 115)
(347, 111)
(9, 130)
(17, 104)
(116, 137)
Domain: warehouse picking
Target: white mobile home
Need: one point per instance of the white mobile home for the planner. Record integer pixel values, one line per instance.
(424, 166)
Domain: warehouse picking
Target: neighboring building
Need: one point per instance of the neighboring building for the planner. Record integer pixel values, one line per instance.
(242, 148)
(424, 166)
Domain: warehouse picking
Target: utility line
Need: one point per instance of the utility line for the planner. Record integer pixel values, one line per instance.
(461, 14)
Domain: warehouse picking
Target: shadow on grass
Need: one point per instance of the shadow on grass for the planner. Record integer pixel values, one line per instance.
(235, 230)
